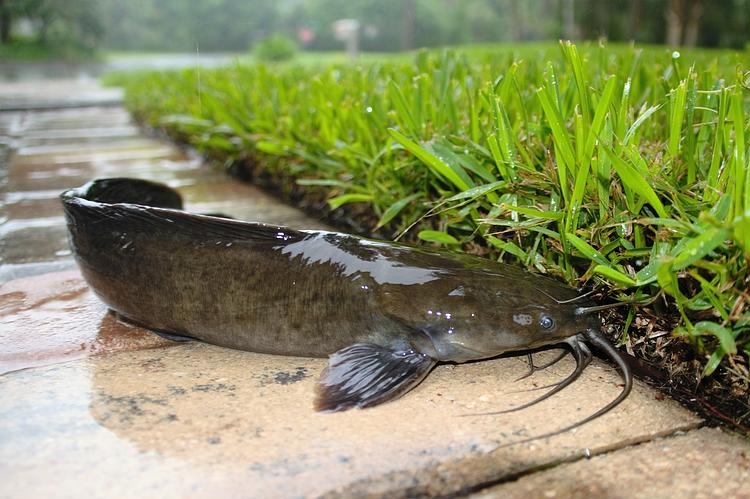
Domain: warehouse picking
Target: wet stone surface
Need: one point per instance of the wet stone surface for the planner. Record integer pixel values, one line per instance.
(20, 95)
(670, 467)
(195, 417)
(54, 317)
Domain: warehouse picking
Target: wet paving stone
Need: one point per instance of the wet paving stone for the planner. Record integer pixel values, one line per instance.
(27, 179)
(669, 467)
(54, 317)
(208, 421)
(35, 240)
(55, 93)
(81, 147)
(57, 121)
(81, 133)
(22, 210)
(12, 271)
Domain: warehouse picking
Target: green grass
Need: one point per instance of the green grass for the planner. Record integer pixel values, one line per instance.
(619, 166)
(24, 50)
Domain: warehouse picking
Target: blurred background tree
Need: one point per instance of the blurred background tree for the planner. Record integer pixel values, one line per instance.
(66, 28)
(387, 25)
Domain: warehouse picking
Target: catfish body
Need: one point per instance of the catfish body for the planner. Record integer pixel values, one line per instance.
(384, 312)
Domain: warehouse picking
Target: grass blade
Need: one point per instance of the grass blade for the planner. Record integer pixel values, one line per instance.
(339, 201)
(631, 178)
(436, 236)
(690, 250)
(395, 209)
(429, 159)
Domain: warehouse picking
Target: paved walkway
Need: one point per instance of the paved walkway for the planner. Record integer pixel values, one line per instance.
(91, 407)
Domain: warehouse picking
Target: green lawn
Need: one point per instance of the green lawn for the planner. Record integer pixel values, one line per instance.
(623, 168)
(24, 50)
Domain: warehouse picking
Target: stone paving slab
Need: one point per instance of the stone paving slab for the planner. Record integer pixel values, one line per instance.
(49, 151)
(56, 93)
(208, 422)
(12, 271)
(53, 122)
(704, 463)
(53, 177)
(41, 240)
(199, 420)
(143, 151)
(81, 132)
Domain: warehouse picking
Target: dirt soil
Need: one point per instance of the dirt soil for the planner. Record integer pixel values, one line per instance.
(672, 365)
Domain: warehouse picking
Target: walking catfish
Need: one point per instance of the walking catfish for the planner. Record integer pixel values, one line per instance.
(384, 313)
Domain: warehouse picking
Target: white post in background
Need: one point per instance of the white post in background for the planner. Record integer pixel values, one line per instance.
(347, 30)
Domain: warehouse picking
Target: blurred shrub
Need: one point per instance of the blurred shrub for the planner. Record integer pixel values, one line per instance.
(275, 48)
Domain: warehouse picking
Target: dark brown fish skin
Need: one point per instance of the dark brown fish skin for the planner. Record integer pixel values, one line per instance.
(306, 293)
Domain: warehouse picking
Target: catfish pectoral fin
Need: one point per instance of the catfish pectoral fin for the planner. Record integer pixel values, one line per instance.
(365, 374)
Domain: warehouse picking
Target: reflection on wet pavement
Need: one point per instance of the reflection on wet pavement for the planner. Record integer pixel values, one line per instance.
(54, 317)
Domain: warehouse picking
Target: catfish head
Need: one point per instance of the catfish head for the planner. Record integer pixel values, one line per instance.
(470, 314)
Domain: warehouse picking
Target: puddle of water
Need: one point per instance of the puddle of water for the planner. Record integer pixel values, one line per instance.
(54, 317)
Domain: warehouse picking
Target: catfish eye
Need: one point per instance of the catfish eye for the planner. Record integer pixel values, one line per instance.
(546, 322)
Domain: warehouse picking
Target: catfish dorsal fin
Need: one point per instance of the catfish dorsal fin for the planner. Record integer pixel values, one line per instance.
(365, 374)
